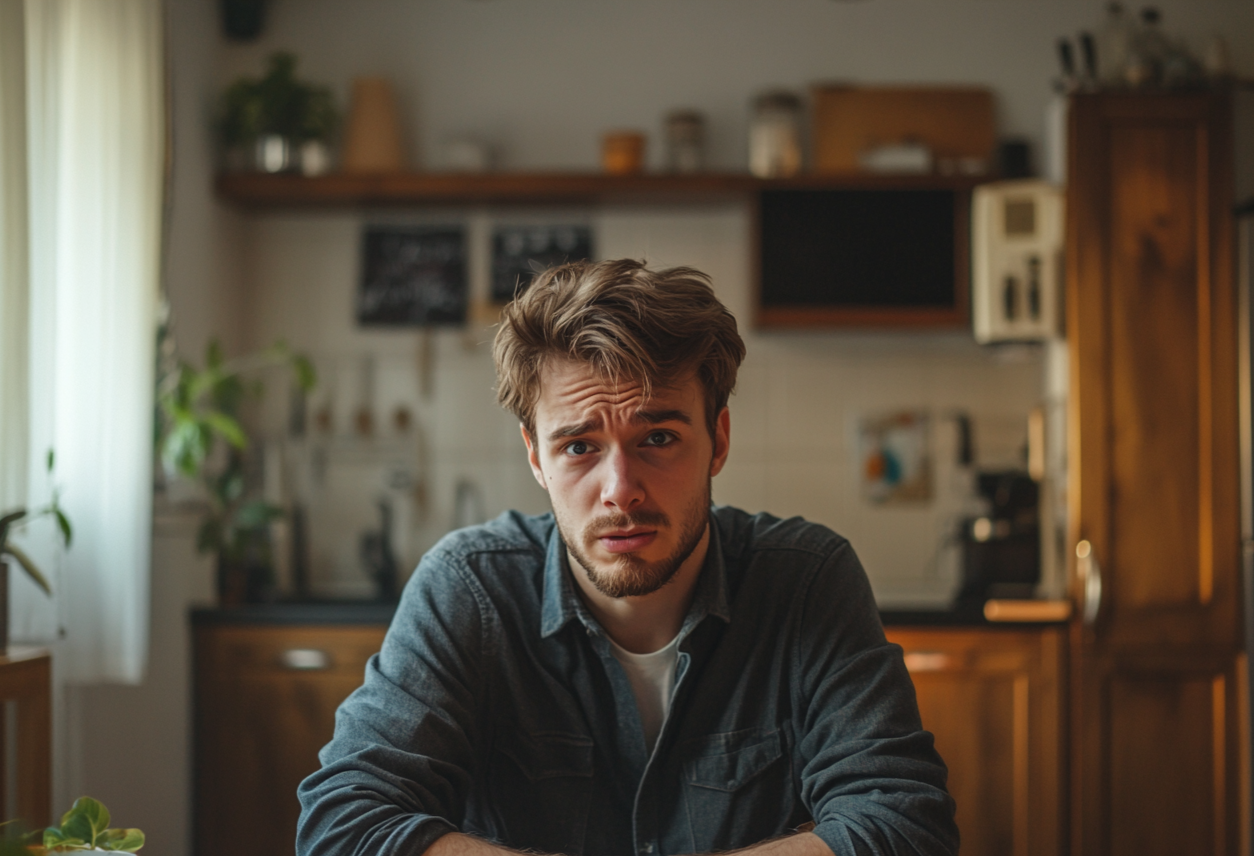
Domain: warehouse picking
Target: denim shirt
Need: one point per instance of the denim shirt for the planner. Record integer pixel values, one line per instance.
(496, 707)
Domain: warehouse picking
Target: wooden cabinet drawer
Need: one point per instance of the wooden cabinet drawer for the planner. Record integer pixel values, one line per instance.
(230, 650)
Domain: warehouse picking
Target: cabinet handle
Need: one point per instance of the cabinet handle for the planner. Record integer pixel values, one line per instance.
(1090, 580)
(927, 661)
(305, 659)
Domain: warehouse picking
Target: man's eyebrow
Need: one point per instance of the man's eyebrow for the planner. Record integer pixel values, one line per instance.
(648, 417)
(654, 417)
(574, 430)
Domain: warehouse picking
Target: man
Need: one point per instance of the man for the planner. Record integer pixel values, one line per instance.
(637, 673)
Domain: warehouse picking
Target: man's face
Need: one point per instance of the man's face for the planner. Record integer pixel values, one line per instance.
(629, 479)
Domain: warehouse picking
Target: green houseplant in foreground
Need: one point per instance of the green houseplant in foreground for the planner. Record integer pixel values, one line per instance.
(201, 437)
(84, 827)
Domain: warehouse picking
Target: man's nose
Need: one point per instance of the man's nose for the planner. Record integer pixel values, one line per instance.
(621, 488)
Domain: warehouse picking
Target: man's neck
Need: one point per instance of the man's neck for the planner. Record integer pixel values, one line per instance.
(645, 624)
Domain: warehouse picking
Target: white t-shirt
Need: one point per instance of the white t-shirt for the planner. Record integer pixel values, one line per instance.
(652, 678)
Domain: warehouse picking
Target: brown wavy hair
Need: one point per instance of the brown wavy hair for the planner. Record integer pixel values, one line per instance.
(655, 327)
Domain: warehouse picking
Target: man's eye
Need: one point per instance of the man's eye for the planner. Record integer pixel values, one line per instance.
(659, 438)
(579, 447)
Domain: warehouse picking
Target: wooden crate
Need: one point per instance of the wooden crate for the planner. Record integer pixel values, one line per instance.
(957, 123)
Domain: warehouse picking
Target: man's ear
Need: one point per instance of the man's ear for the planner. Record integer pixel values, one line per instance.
(722, 441)
(533, 456)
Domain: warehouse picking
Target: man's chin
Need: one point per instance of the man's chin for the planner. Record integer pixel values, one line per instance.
(627, 574)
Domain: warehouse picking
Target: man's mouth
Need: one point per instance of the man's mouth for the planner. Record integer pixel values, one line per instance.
(627, 542)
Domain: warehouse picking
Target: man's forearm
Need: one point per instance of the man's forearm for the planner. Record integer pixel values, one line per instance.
(801, 844)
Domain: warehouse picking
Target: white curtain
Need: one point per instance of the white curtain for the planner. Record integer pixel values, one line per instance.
(95, 157)
(14, 287)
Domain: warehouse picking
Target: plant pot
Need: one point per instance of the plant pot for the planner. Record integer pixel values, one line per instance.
(241, 582)
(4, 606)
(273, 153)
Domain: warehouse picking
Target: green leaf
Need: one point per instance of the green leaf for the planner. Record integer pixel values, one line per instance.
(8, 520)
(57, 839)
(227, 428)
(209, 536)
(230, 486)
(86, 819)
(52, 459)
(306, 377)
(63, 522)
(213, 354)
(29, 566)
(186, 447)
(256, 514)
(129, 840)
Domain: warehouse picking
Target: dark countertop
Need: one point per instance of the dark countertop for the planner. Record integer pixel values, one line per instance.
(377, 612)
(298, 612)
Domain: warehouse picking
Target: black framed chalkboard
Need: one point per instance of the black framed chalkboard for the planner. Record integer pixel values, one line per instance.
(520, 252)
(412, 276)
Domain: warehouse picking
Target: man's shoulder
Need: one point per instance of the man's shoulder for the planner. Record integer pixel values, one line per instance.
(511, 532)
(742, 532)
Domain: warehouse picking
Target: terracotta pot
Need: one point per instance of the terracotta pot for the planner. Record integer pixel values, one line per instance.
(372, 141)
(622, 152)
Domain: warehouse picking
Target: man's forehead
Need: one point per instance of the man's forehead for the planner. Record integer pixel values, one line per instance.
(568, 385)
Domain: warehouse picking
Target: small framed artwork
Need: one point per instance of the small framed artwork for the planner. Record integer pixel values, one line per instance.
(412, 276)
(520, 252)
(894, 457)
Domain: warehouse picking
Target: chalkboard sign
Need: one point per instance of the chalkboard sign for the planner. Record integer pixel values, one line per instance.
(520, 252)
(412, 276)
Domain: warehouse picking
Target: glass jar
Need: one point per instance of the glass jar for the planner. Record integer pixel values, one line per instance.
(685, 141)
(775, 135)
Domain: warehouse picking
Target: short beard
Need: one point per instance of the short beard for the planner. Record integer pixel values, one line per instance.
(629, 576)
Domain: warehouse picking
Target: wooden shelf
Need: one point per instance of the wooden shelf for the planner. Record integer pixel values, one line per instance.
(260, 190)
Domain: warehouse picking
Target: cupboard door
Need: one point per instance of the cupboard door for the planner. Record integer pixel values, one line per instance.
(992, 698)
(1152, 329)
(265, 704)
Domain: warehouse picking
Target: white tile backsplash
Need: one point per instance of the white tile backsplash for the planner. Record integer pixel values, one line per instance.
(794, 414)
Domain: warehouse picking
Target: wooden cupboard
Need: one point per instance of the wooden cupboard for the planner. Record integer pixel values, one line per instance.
(993, 698)
(1151, 317)
(265, 700)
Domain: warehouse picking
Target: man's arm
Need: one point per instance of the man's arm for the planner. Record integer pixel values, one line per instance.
(397, 773)
(801, 844)
(870, 773)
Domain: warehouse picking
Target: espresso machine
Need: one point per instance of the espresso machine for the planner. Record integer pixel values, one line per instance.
(1001, 550)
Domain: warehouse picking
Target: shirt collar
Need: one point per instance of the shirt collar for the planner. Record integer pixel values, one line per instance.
(561, 602)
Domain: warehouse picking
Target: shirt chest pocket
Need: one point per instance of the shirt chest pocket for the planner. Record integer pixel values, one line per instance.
(739, 789)
(541, 785)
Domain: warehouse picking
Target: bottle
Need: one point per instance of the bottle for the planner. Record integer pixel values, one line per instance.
(1150, 50)
(1114, 43)
(685, 141)
(775, 135)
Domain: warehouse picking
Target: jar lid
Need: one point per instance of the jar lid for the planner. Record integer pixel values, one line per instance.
(777, 99)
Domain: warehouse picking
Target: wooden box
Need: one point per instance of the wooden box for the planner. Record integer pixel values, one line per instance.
(956, 123)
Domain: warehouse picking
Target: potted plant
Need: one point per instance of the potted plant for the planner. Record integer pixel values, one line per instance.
(201, 437)
(84, 827)
(14, 521)
(264, 121)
